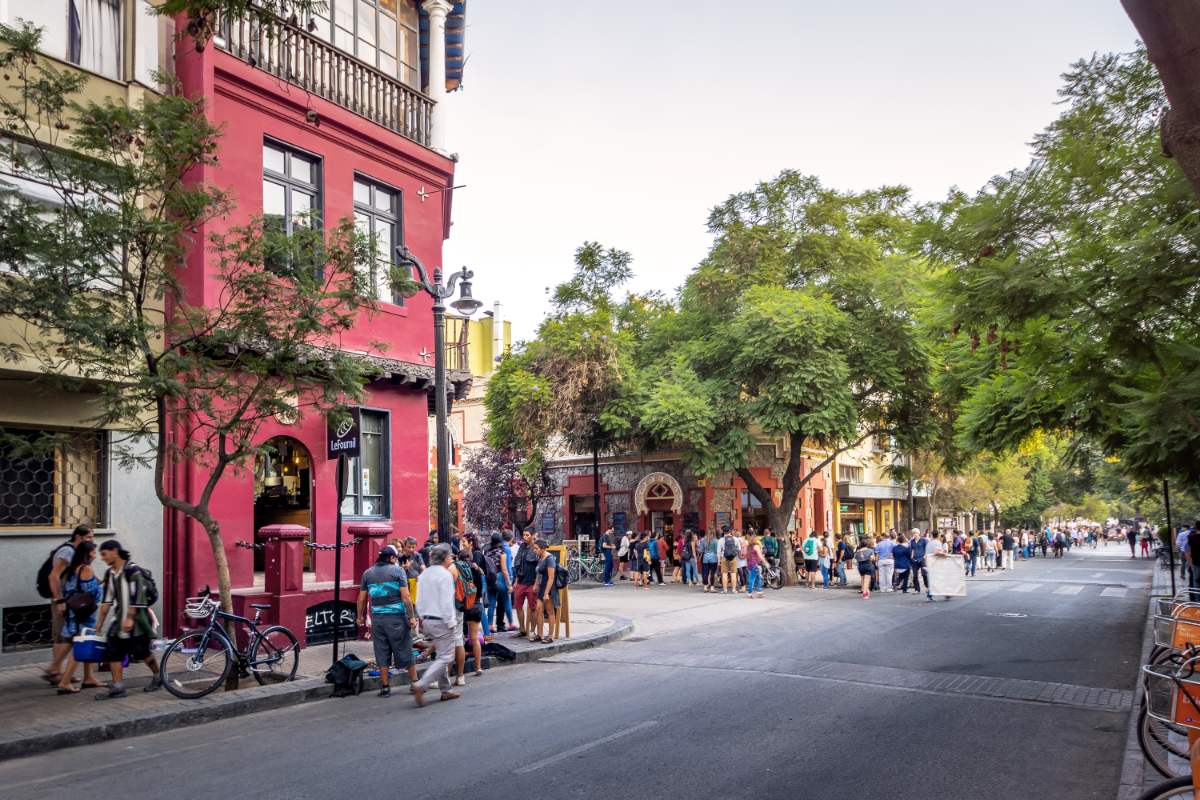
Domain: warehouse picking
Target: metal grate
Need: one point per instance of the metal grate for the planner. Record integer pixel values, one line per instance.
(26, 628)
(51, 478)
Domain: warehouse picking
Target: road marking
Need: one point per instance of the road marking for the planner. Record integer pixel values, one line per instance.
(1069, 589)
(1097, 574)
(1027, 587)
(1114, 591)
(583, 748)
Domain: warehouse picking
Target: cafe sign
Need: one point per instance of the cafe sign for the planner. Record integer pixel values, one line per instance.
(344, 435)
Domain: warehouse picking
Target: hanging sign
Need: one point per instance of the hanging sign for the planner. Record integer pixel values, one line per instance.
(345, 436)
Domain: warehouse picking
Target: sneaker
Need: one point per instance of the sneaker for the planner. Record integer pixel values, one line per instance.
(450, 695)
(113, 694)
(385, 691)
(154, 685)
(459, 680)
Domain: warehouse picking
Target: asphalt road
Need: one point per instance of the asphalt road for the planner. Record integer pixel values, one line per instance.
(835, 697)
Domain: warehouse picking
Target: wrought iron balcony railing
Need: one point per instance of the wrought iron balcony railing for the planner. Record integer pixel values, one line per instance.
(296, 56)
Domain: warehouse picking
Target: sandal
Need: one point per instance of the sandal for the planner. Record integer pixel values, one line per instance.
(65, 690)
(86, 685)
(51, 678)
(546, 640)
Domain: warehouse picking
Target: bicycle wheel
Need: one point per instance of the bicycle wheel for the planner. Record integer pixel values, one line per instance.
(195, 664)
(573, 570)
(1155, 739)
(1174, 789)
(773, 577)
(275, 656)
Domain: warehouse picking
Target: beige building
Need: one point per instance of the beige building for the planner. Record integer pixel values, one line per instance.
(119, 46)
(869, 499)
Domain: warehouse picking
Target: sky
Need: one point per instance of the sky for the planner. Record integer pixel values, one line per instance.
(624, 123)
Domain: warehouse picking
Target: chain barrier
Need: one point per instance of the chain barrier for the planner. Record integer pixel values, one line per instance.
(242, 543)
(315, 546)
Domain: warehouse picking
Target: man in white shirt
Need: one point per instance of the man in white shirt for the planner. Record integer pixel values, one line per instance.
(435, 607)
(741, 561)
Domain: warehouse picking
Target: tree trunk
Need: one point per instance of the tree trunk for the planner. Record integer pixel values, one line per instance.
(1171, 31)
(224, 588)
(778, 518)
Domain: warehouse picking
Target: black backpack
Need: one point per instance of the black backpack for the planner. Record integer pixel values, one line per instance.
(730, 548)
(562, 576)
(151, 586)
(43, 574)
(346, 676)
(492, 559)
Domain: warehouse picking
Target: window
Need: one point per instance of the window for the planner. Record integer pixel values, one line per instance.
(94, 35)
(367, 478)
(291, 190)
(382, 33)
(377, 215)
(51, 478)
(850, 474)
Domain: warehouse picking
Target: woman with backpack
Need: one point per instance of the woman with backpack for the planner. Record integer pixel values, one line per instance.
(708, 561)
(687, 557)
(654, 557)
(640, 564)
(865, 558)
(547, 593)
(497, 583)
(82, 594)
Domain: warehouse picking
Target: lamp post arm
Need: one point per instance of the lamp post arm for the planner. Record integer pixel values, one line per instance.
(405, 256)
(453, 279)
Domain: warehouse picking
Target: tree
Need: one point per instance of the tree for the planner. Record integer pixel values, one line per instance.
(1072, 284)
(496, 491)
(96, 283)
(1171, 31)
(798, 325)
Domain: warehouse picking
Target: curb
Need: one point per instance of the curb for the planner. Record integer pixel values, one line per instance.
(183, 713)
(1133, 764)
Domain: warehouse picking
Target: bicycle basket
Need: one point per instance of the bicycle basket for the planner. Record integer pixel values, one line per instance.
(1170, 606)
(199, 607)
(1170, 698)
(1175, 633)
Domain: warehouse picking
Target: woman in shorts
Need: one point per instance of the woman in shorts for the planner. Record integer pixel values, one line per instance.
(865, 557)
(640, 564)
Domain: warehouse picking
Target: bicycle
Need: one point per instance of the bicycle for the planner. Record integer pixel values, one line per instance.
(579, 565)
(197, 662)
(772, 574)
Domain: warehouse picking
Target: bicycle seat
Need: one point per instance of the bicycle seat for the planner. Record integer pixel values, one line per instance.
(260, 606)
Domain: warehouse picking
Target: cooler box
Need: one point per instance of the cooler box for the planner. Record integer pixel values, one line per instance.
(88, 648)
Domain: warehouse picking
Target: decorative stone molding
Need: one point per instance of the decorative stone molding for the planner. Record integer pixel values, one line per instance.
(658, 479)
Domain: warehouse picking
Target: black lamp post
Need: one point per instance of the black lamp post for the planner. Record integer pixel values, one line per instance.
(465, 304)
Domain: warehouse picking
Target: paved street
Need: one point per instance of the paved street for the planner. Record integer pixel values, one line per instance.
(1021, 689)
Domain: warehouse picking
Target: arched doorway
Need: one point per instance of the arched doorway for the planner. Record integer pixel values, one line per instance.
(659, 499)
(282, 490)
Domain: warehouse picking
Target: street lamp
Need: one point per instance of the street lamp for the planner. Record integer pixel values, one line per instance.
(465, 304)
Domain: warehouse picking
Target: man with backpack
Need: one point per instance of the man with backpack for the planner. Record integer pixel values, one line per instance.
(49, 585)
(770, 546)
(730, 549)
(129, 592)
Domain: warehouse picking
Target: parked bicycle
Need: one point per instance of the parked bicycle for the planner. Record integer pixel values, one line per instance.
(199, 661)
(579, 565)
(772, 573)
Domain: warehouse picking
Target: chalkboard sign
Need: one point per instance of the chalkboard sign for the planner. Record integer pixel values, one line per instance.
(723, 518)
(547, 522)
(620, 522)
(318, 622)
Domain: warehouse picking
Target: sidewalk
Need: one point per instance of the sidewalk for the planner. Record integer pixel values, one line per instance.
(38, 720)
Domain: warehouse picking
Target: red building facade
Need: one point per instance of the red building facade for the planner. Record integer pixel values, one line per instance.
(310, 127)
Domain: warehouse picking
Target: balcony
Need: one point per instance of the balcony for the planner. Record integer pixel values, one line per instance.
(314, 65)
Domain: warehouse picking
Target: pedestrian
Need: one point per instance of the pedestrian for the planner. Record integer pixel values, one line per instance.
(470, 552)
(127, 593)
(687, 557)
(1145, 542)
(902, 556)
(989, 552)
(498, 583)
(608, 546)
(548, 601)
(918, 543)
(655, 556)
(623, 556)
(393, 617)
(812, 559)
(82, 593)
(845, 557)
(741, 561)
(435, 607)
(525, 594)
(825, 560)
(754, 559)
(60, 559)
(729, 559)
(672, 547)
(414, 566)
(1060, 542)
(1007, 543)
(640, 561)
(1131, 536)
(708, 561)
(770, 546)
(511, 582)
(971, 550)
(884, 562)
(865, 558)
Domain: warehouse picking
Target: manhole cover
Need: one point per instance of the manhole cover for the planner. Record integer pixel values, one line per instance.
(1013, 614)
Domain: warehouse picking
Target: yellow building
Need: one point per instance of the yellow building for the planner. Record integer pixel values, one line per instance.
(475, 345)
(869, 500)
(120, 47)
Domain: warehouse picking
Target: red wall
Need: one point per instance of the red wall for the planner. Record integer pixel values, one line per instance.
(249, 104)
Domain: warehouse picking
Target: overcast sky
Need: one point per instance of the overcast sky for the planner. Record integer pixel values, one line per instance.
(626, 123)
